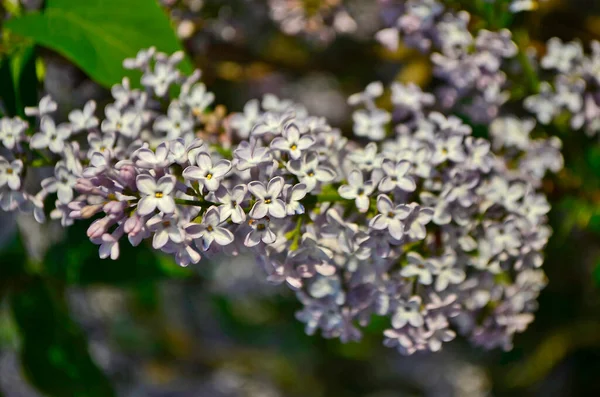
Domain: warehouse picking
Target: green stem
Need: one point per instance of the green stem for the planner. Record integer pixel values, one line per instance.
(202, 204)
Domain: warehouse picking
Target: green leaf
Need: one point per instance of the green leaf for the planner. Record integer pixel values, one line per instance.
(8, 90)
(24, 78)
(54, 351)
(76, 261)
(97, 35)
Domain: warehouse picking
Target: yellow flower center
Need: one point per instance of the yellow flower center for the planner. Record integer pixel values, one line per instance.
(261, 226)
(268, 201)
(9, 171)
(294, 147)
(209, 176)
(209, 228)
(158, 194)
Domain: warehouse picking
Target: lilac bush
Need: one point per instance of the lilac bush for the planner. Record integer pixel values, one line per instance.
(426, 224)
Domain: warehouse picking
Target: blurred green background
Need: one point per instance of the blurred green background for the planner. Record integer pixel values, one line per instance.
(74, 325)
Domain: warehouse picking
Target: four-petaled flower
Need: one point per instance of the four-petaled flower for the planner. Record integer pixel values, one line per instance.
(259, 231)
(155, 194)
(231, 203)
(210, 230)
(206, 173)
(267, 199)
(292, 142)
(358, 190)
(10, 173)
(396, 177)
(309, 172)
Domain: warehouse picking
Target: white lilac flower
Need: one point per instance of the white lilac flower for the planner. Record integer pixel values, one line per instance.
(372, 91)
(84, 119)
(259, 232)
(357, 190)
(371, 124)
(501, 191)
(292, 196)
(250, 154)
(12, 131)
(479, 154)
(155, 194)
(165, 229)
(50, 136)
(343, 232)
(504, 237)
(499, 43)
(390, 217)
(62, 212)
(267, 199)
(141, 60)
(62, 183)
(292, 142)
(461, 187)
(409, 97)
(231, 203)
(182, 151)
(163, 75)
(271, 123)
(270, 102)
(569, 93)
(408, 312)
(210, 230)
(543, 104)
(109, 246)
(242, 123)
(123, 94)
(10, 173)
(450, 148)
(511, 132)
(415, 221)
(366, 159)
(446, 271)
(309, 172)
(175, 124)
(561, 56)
(396, 177)
(419, 268)
(439, 332)
(196, 98)
(207, 173)
(46, 106)
(125, 122)
(148, 159)
(99, 162)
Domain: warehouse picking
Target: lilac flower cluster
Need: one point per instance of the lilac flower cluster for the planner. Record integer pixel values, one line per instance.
(574, 89)
(469, 64)
(424, 225)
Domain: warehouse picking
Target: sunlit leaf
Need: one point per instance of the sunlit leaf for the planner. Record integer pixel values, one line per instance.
(97, 35)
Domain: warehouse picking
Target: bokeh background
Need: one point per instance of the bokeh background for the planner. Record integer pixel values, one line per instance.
(216, 329)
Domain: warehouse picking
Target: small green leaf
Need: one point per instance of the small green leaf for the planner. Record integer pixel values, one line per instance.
(97, 35)
(54, 351)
